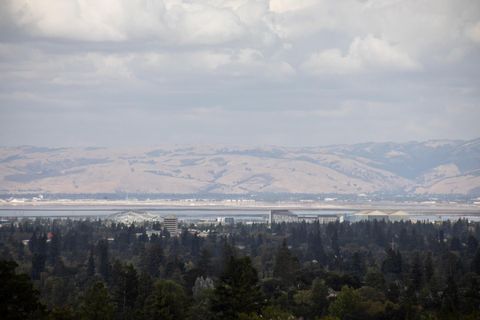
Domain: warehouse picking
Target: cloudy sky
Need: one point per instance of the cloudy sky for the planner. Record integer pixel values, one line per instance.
(251, 72)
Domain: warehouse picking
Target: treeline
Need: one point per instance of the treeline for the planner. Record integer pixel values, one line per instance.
(367, 270)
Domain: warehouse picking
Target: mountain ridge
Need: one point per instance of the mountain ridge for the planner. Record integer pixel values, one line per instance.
(429, 167)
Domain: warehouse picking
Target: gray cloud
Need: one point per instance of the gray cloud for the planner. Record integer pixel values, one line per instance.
(294, 72)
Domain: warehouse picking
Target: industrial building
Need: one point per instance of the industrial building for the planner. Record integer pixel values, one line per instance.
(379, 215)
(279, 216)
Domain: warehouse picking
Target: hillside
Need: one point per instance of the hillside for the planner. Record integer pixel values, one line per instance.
(432, 167)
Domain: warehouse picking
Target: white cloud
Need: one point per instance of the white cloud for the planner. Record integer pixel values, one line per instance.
(282, 6)
(247, 56)
(172, 21)
(473, 32)
(364, 54)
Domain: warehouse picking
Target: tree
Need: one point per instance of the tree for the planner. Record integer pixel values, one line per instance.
(18, 299)
(416, 273)
(167, 302)
(103, 259)
(91, 265)
(126, 290)
(204, 263)
(357, 265)
(286, 265)
(347, 305)
(96, 303)
(450, 296)
(54, 247)
(393, 262)
(269, 313)
(319, 293)
(470, 296)
(476, 262)
(238, 290)
(145, 289)
(315, 248)
(152, 259)
(202, 297)
(38, 265)
(472, 245)
(429, 270)
(375, 279)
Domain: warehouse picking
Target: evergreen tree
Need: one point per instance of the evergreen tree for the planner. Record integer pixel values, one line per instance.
(428, 267)
(204, 263)
(153, 259)
(167, 302)
(450, 296)
(54, 247)
(126, 291)
(38, 265)
(96, 303)
(286, 265)
(145, 289)
(103, 259)
(238, 290)
(315, 250)
(416, 276)
(393, 262)
(91, 265)
(472, 245)
(357, 265)
(476, 262)
(18, 299)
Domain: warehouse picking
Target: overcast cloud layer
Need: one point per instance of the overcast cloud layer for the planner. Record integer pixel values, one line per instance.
(284, 72)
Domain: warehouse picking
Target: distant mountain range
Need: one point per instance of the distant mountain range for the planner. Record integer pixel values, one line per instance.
(432, 167)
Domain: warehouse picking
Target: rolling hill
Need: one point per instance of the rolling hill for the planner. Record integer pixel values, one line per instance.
(432, 167)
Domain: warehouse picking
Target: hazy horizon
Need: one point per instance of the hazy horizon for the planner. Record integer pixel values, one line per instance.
(237, 145)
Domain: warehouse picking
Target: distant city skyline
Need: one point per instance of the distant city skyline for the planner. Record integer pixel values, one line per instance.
(239, 72)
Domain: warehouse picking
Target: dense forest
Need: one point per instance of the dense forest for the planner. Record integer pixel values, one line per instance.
(97, 269)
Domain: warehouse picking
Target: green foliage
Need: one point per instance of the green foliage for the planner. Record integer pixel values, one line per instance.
(268, 313)
(375, 279)
(167, 302)
(18, 299)
(286, 265)
(238, 290)
(429, 271)
(347, 304)
(96, 303)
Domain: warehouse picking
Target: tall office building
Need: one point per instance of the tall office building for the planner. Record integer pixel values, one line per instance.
(171, 224)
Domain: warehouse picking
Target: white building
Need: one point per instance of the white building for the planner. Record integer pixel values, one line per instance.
(226, 220)
(327, 218)
(399, 216)
(379, 215)
(131, 216)
(279, 216)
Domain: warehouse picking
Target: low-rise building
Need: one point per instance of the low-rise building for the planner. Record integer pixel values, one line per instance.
(226, 220)
(327, 218)
(279, 216)
(380, 215)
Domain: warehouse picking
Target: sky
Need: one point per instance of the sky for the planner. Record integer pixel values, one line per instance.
(250, 72)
